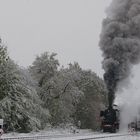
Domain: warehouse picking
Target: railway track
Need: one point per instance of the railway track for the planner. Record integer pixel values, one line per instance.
(103, 137)
(44, 137)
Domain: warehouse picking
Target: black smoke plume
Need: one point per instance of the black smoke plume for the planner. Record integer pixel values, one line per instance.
(120, 42)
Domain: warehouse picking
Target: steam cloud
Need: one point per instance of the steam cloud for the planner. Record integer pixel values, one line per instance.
(120, 43)
(128, 99)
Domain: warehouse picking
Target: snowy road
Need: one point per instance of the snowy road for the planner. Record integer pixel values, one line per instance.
(79, 137)
(97, 137)
(68, 135)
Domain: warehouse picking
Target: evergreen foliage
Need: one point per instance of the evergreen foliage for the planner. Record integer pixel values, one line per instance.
(19, 103)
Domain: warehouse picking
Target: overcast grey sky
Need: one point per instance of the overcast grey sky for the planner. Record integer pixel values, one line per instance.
(70, 28)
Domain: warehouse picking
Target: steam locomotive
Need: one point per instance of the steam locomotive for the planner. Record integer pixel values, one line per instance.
(110, 119)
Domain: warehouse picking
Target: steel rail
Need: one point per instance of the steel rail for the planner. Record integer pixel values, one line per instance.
(103, 137)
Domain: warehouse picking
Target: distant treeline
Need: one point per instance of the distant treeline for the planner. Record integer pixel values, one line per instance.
(47, 94)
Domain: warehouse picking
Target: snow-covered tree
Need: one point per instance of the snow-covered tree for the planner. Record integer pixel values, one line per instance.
(70, 94)
(15, 102)
(3, 75)
(94, 98)
(61, 94)
(44, 67)
(36, 109)
(19, 102)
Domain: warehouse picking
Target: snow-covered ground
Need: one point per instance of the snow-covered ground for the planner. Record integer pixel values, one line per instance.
(67, 134)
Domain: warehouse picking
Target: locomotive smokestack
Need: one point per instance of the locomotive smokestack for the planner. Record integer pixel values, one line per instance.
(120, 42)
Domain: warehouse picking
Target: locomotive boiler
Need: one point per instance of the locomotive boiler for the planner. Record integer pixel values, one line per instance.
(110, 119)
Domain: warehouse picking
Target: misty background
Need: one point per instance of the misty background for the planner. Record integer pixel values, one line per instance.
(39, 93)
(67, 27)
